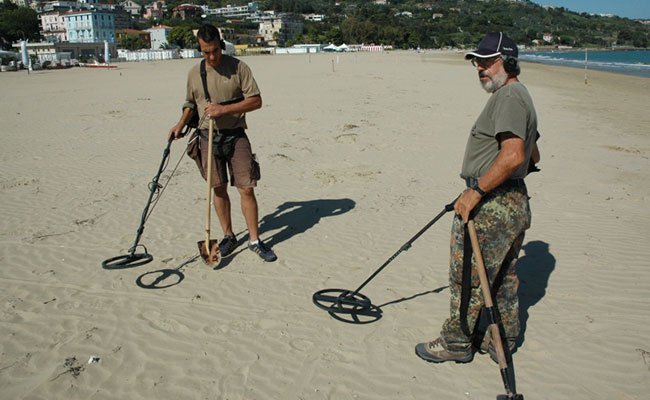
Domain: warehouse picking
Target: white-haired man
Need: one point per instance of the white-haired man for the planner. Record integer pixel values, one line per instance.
(500, 148)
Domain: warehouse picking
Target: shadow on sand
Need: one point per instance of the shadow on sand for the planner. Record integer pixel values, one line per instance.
(534, 269)
(292, 218)
(296, 217)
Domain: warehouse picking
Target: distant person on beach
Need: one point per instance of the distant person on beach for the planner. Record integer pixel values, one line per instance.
(498, 155)
(232, 92)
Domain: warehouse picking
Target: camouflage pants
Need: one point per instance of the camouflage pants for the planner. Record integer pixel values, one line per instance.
(501, 220)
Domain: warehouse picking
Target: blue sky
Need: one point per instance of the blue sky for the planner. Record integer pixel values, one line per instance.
(623, 8)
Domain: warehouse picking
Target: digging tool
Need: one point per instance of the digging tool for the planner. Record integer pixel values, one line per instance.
(209, 249)
(494, 326)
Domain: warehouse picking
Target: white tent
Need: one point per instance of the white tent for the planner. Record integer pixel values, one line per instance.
(330, 47)
(343, 47)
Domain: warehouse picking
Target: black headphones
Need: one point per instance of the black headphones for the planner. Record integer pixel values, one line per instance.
(222, 44)
(511, 65)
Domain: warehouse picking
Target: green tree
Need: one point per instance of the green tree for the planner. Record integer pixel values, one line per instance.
(17, 23)
(132, 42)
(182, 36)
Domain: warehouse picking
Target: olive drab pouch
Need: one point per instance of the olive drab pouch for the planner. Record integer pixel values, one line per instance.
(256, 173)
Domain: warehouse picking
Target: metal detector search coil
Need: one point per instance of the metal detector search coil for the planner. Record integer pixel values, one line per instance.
(352, 306)
(134, 259)
(130, 260)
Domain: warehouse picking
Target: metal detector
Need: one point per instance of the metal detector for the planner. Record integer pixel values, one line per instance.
(353, 304)
(134, 259)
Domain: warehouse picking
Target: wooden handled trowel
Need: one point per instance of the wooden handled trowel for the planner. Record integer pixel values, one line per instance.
(208, 248)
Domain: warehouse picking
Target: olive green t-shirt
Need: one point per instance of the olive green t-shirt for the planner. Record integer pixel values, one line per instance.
(231, 80)
(509, 109)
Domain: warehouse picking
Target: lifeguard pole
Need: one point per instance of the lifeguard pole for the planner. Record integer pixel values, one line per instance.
(585, 66)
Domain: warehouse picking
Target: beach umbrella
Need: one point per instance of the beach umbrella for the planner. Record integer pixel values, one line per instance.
(107, 54)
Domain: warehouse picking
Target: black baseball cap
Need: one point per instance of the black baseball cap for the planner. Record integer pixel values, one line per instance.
(494, 44)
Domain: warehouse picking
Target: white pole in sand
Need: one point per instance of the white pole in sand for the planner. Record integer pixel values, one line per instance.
(24, 55)
(585, 66)
(107, 53)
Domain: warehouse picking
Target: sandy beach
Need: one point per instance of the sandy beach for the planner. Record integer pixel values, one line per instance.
(358, 152)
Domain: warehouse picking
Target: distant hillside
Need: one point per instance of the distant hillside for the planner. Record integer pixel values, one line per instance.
(459, 23)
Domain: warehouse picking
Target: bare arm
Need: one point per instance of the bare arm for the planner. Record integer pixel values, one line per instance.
(215, 110)
(176, 132)
(510, 157)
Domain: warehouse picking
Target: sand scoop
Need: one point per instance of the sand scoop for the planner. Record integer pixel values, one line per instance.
(209, 248)
(352, 306)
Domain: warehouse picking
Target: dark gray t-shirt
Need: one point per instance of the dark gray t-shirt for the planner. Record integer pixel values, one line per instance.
(509, 109)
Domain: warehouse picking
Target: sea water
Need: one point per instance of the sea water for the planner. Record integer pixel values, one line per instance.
(629, 62)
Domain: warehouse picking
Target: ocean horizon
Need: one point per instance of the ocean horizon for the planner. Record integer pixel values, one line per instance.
(628, 62)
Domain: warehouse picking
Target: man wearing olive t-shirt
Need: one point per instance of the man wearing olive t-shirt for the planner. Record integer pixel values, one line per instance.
(499, 152)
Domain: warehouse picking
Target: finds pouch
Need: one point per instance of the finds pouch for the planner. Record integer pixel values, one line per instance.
(224, 142)
(193, 146)
(256, 173)
(194, 150)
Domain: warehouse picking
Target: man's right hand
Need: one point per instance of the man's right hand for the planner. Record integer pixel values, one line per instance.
(176, 132)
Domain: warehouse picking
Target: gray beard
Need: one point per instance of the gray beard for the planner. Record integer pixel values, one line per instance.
(495, 82)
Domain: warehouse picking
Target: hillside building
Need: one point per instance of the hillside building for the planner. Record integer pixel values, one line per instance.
(90, 26)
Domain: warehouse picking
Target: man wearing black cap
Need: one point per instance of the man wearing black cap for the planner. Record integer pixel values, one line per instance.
(500, 147)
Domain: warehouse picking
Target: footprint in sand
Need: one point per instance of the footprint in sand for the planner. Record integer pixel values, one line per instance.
(158, 321)
(347, 138)
(280, 156)
(301, 344)
(325, 178)
(18, 182)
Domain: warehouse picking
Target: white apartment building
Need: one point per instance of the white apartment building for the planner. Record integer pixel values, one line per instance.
(132, 7)
(158, 35)
(314, 17)
(234, 12)
(63, 5)
(53, 25)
